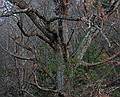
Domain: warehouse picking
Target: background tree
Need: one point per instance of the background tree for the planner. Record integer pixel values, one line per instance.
(61, 48)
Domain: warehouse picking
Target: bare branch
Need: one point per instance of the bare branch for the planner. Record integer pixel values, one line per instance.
(101, 62)
(64, 18)
(70, 37)
(27, 92)
(15, 12)
(39, 88)
(35, 17)
(113, 7)
(43, 89)
(86, 42)
(35, 34)
(17, 56)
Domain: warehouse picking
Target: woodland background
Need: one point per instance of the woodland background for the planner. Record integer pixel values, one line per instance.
(59, 48)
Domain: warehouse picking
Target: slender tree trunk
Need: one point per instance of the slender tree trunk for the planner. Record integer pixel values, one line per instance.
(63, 54)
(59, 75)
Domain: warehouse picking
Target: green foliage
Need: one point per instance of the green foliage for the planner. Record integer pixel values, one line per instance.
(84, 75)
(41, 94)
(2, 72)
(47, 58)
(92, 55)
(116, 93)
